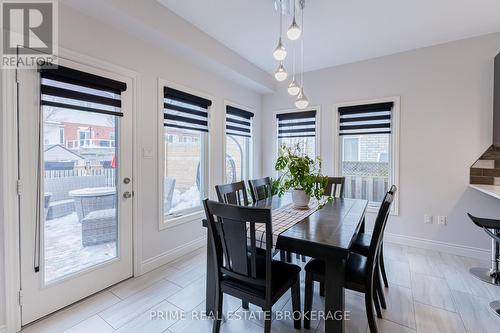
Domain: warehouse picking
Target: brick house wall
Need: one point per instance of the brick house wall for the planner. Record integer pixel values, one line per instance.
(96, 132)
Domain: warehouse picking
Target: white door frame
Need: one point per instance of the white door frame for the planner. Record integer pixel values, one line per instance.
(9, 176)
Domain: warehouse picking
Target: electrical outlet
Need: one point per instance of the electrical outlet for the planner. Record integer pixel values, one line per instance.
(442, 220)
(427, 219)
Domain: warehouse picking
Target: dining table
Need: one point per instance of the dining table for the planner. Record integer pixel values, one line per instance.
(326, 234)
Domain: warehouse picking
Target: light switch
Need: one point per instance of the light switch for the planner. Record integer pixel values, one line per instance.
(147, 152)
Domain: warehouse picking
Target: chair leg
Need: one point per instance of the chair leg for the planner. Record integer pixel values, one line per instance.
(308, 298)
(322, 289)
(244, 305)
(296, 303)
(288, 256)
(268, 313)
(282, 255)
(218, 312)
(369, 311)
(382, 266)
(380, 291)
(376, 302)
(303, 258)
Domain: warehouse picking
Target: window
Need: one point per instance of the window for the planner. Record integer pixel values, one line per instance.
(367, 149)
(186, 118)
(351, 149)
(61, 135)
(238, 144)
(298, 129)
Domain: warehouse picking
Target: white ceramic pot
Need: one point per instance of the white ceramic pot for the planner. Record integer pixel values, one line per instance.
(300, 199)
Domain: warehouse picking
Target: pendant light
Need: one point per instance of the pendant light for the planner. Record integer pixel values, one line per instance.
(280, 74)
(280, 51)
(293, 87)
(302, 101)
(294, 31)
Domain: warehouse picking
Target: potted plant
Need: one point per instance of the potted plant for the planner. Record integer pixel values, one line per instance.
(300, 174)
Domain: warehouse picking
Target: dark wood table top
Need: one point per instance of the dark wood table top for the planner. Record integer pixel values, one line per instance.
(327, 232)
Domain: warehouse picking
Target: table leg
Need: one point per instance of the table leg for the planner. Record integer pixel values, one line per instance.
(334, 296)
(210, 292)
(362, 227)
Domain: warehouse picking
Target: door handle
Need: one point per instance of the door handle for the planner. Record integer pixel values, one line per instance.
(127, 195)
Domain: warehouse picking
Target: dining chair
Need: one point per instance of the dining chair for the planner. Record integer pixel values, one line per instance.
(240, 270)
(260, 188)
(234, 193)
(360, 271)
(335, 187)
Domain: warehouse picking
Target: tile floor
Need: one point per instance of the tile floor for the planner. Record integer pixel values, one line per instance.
(429, 292)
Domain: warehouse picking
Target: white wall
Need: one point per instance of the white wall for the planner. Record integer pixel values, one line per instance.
(446, 123)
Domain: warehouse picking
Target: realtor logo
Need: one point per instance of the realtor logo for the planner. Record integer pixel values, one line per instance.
(29, 33)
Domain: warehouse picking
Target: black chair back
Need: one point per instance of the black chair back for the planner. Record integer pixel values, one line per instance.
(234, 193)
(234, 253)
(379, 228)
(335, 187)
(260, 188)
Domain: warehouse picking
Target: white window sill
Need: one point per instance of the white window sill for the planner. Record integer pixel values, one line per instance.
(175, 221)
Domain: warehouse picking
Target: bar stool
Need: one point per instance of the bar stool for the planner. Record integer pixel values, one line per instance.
(492, 274)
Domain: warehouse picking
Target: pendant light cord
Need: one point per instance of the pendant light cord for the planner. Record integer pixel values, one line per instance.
(281, 18)
(302, 50)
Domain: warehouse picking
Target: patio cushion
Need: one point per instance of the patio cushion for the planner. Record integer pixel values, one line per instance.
(99, 226)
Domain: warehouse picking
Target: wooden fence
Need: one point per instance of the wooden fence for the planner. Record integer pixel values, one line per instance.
(109, 174)
(371, 188)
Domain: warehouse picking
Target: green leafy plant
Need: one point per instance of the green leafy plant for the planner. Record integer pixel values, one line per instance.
(299, 172)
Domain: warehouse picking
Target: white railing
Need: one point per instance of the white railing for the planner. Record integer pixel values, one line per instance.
(371, 188)
(90, 143)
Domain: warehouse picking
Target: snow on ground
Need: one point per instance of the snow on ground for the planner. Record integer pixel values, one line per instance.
(185, 200)
(64, 252)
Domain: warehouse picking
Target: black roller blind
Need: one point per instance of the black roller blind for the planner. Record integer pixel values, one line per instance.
(71, 89)
(183, 110)
(238, 122)
(297, 124)
(365, 119)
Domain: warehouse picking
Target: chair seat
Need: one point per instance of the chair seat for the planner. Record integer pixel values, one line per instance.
(361, 244)
(283, 276)
(485, 223)
(355, 274)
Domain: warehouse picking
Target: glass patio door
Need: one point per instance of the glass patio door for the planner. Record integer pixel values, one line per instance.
(75, 165)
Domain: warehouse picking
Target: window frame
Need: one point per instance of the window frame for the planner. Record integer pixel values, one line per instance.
(394, 140)
(251, 147)
(194, 213)
(317, 145)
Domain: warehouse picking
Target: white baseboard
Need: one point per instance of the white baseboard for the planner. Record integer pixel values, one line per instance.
(460, 250)
(170, 255)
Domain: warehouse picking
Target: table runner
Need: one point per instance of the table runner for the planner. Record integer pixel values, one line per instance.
(282, 219)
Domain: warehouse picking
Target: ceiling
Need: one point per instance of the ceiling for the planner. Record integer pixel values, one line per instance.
(339, 31)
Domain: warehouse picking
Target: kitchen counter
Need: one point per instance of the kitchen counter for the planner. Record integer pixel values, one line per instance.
(492, 190)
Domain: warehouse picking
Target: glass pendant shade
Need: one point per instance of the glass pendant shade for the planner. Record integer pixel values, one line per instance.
(294, 31)
(293, 88)
(279, 52)
(280, 74)
(301, 102)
